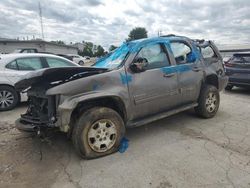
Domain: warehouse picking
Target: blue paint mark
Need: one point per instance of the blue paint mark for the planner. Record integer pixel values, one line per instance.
(178, 68)
(95, 86)
(123, 145)
(125, 78)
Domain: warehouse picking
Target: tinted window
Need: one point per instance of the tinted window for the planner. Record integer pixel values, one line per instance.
(247, 59)
(155, 55)
(12, 65)
(53, 62)
(29, 64)
(207, 52)
(180, 51)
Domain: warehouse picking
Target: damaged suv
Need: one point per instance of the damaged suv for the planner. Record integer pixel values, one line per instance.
(140, 82)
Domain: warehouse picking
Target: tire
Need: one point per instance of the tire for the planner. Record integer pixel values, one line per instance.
(229, 87)
(208, 102)
(8, 98)
(98, 132)
(81, 63)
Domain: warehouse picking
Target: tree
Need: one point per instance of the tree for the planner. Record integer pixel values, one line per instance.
(58, 42)
(137, 33)
(87, 50)
(100, 51)
(112, 47)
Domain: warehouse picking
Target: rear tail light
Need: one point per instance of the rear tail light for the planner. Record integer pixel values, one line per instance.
(228, 64)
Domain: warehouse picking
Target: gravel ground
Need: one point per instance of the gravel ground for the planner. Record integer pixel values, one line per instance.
(179, 151)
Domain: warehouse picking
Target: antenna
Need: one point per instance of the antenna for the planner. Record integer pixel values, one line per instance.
(41, 19)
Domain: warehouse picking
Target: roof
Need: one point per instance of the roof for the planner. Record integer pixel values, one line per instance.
(35, 42)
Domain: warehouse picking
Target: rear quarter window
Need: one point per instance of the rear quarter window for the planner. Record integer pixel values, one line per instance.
(12, 65)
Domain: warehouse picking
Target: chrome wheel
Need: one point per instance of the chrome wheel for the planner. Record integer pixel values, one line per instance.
(102, 135)
(211, 102)
(6, 99)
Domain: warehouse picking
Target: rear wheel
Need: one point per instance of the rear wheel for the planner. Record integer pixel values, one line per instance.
(229, 87)
(98, 132)
(81, 63)
(8, 98)
(209, 101)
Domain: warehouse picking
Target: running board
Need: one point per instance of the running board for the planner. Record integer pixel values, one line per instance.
(160, 116)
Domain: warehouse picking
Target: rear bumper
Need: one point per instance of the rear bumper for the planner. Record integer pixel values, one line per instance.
(223, 80)
(239, 81)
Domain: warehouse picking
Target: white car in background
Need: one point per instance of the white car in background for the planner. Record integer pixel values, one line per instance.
(79, 59)
(14, 66)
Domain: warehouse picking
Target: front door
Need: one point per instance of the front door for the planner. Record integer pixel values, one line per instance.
(153, 90)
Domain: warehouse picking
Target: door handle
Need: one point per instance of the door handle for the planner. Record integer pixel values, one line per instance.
(196, 69)
(168, 75)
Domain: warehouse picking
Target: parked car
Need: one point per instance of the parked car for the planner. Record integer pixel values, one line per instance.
(142, 81)
(26, 50)
(14, 66)
(238, 70)
(79, 59)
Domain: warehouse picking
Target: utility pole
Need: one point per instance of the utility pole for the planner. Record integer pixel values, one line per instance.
(41, 19)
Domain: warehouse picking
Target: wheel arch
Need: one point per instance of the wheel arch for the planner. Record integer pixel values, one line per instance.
(113, 102)
(212, 79)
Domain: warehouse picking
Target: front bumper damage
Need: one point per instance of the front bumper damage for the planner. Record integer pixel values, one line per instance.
(40, 115)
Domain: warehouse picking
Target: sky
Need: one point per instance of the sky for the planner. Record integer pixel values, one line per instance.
(110, 21)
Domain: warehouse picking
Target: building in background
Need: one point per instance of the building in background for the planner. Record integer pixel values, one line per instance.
(11, 45)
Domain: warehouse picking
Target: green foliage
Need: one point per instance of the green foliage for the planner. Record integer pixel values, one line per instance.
(58, 42)
(87, 50)
(100, 51)
(112, 47)
(137, 33)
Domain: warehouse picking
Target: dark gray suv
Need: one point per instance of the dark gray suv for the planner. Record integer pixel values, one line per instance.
(140, 82)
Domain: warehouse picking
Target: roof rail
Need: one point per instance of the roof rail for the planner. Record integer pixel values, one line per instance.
(169, 35)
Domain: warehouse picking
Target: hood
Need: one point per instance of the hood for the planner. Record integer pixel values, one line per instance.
(55, 75)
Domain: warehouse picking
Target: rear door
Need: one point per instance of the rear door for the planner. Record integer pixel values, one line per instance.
(190, 73)
(21, 66)
(154, 90)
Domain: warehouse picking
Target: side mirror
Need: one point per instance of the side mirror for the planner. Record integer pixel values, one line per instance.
(191, 57)
(139, 65)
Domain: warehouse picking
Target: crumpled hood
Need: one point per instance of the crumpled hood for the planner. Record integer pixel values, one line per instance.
(60, 75)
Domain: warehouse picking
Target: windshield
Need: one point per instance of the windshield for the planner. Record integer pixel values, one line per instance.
(115, 58)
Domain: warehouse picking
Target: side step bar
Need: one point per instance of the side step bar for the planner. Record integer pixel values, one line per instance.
(160, 116)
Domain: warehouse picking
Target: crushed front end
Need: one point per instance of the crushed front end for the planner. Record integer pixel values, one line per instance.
(40, 114)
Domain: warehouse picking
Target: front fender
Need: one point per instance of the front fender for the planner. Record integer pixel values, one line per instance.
(66, 108)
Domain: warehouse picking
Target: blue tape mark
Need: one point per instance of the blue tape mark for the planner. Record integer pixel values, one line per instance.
(123, 145)
(173, 69)
(125, 78)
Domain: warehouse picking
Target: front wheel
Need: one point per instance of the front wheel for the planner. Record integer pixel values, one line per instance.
(209, 101)
(98, 132)
(8, 98)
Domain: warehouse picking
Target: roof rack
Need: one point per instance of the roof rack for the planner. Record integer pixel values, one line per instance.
(169, 35)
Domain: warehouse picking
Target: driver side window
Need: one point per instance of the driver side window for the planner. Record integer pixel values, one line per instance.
(181, 52)
(155, 56)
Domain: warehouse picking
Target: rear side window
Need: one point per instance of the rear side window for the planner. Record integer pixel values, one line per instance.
(29, 64)
(208, 52)
(54, 62)
(180, 51)
(155, 55)
(12, 65)
(247, 59)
